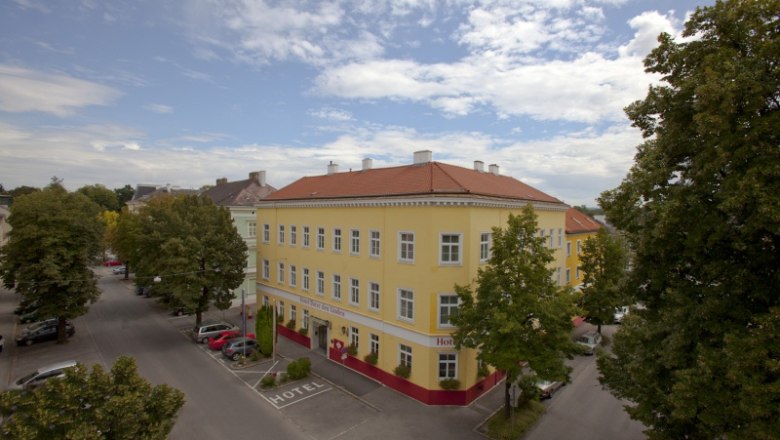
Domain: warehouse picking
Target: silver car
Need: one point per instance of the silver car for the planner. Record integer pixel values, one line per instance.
(41, 375)
(590, 341)
(210, 329)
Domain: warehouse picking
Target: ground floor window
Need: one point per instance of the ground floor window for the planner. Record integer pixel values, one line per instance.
(305, 323)
(354, 337)
(405, 355)
(374, 343)
(448, 365)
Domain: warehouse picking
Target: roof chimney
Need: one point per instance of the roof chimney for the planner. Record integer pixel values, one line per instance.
(423, 156)
(368, 163)
(333, 168)
(221, 181)
(258, 176)
(479, 166)
(494, 169)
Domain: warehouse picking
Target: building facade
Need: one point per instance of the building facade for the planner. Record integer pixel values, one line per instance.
(365, 263)
(579, 227)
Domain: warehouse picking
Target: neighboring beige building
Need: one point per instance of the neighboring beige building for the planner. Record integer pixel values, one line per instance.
(240, 198)
(5, 228)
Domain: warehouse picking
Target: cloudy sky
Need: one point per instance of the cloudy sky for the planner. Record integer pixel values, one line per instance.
(183, 92)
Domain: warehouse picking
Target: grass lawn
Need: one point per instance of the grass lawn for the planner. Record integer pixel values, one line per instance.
(501, 428)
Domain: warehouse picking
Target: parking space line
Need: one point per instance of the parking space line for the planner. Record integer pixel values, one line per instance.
(302, 399)
(265, 374)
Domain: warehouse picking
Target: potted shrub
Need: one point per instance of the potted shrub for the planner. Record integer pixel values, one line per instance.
(449, 384)
(372, 358)
(290, 324)
(403, 371)
(352, 350)
(482, 370)
(303, 331)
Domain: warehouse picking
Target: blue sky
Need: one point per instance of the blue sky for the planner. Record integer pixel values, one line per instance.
(183, 92)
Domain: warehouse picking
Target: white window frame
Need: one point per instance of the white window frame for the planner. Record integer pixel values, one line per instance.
(354, 291)
(441, 306)
(405, 304)
(568, 275)
(552, 238)
(405, 247)
(251, 229)
(578, 273)
(458, 246)
(306, 279)
(373, 343)
(450, 363)
(354, 241)
(293, 235)
(293, 313)
(560, 238)
(266, 269)
(579, 247)
(354, 336)
(320, 282)
(375, 243)
(320, 238)
(336, 239)
(485, 240)
(374, 296)
(568, 248)
(337, 287)
(280, 273)
(293, 275)
(405, 355)
(305, 323)
(281, 234)
(306, 236)
(266, 233)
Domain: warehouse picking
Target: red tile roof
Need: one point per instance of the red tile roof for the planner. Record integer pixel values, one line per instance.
(430, 178)
(577, 222)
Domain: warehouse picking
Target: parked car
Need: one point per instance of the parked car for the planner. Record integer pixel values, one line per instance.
(620, 313)
(590, 341)
(217, 342)
(120, 270)
(111, 263)
(210, 329)
(41, 375)
(547, 388)
(26, 306)
(27, 318)
(43, 331)
(237, 347)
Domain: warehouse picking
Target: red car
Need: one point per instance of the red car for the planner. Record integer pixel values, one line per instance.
(224, 337)
(109, 263)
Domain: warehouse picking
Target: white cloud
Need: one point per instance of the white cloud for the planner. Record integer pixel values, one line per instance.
(159, 108)
(332, 114)
(26, 90)
(33, 4)
(648, 26)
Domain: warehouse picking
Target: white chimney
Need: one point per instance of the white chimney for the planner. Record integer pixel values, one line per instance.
(494, 169)
(333, 168)
(368, 163)
(479, 166)
(258, 176)
(423, 156)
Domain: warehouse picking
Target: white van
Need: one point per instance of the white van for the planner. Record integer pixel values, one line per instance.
(41, 375)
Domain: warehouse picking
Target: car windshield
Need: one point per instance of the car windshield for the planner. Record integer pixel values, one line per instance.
(26, 378)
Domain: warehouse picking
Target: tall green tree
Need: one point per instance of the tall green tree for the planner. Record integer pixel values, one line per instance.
(517, 313)
(124, 195)
(264, 331)
(101, 195)
(118, 404)
(194, 248)
(54, 238)
(123, 239)
(701, 208)
(22, 190)
(604, 266)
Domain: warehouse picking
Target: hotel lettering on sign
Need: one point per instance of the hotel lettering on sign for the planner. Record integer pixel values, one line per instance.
(445, 341)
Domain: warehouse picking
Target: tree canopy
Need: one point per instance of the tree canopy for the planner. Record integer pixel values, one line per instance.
(701, 209)
(54, 238)
(192, 245)
(101, 195)
(517, 314)
(123, 195)
(118, 404)
(603, 263)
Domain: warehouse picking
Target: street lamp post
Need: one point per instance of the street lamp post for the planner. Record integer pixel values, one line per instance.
(243, 318)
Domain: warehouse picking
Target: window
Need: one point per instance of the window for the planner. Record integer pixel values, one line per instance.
(305, 323)
(560, 237)
(577, 273)
(373, 296)
(293, 235)
(450, 248)
(579, 247)
(305, 278)
(251, 229)
(448, 307)
(405, 355)
(354, 291)
(484, 246)
(266, 233)
(406, 247)
(281, 273)
(568, 276)
(405, 304)
(266, 269)
(337, 240)
(375, 244)
(374, 343)
(293, 275)
(552, 231)
(293, 313)
(320, 239)
(281, 234)
(354, 246)
(448, 366)
(280, 308)
(568, 248)
(337, 287)
(305, 236)
(354, 336)
(558, 276)
(320, 282)
(265, 300)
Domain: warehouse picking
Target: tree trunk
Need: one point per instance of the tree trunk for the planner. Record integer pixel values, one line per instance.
(507, 398)
(62, 336)
(127, 271)
(599, 327)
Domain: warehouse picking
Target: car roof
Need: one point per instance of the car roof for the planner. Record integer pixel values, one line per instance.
(57, 366)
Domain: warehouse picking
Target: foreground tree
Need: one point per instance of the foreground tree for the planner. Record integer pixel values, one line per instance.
(54, 238)
(92, 405)
(194, 248)
(701, 208)
(101, 195)
(517, 313)
(604, 266)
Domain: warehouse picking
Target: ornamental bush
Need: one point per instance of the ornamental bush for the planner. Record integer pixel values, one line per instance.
(299, 368)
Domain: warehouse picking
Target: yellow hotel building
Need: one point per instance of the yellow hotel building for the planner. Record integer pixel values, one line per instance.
(579, 227)
(370, 258)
